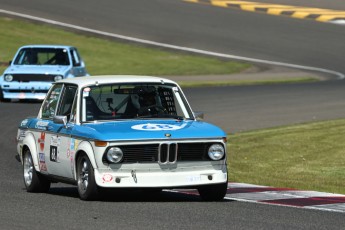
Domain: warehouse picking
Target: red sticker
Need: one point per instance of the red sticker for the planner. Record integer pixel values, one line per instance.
(107, 178)
(41, 141)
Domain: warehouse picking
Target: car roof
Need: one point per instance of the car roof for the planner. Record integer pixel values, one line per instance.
(108, 79)
(47, 46)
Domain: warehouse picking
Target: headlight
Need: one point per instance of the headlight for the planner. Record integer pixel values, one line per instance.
(8, 77)
(57, 78)
(114, 155)
(216, 152)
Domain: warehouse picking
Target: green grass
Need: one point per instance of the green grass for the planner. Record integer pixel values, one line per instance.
(308, 156)
(246, 82)
(109, 57)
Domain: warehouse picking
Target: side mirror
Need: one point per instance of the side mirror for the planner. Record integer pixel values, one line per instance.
(198, 115)
(77, 64)
(10, 62)
(60, 120)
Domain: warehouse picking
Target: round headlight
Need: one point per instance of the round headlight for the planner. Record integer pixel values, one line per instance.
(57, 78)
(216, 152)
(8, 77)
(114, 155)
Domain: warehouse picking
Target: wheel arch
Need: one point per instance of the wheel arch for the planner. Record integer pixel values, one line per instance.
(85, 148)
(29, 143)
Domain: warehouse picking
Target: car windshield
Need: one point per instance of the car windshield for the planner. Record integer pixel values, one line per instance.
(42, 56)
(133, 101)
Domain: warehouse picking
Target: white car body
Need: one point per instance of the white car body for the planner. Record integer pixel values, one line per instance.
(167, 148)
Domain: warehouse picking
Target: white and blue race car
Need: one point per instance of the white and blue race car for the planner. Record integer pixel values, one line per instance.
(34, 68)
(121, 132)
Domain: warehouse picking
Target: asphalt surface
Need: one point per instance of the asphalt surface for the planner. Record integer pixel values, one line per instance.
(62, 209)
(176, 22)
(253, 107)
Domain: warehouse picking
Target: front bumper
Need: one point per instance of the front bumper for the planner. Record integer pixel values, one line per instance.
(25, 90)
(193, 177)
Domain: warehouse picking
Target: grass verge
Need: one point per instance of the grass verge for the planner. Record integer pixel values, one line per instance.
(308, 156)
(245, 82)
(110, 57)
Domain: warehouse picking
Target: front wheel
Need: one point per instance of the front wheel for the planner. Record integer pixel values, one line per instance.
(214, 192)
(34, 182)
(87, 187)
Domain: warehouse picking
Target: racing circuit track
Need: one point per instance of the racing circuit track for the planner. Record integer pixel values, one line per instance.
(302, 42)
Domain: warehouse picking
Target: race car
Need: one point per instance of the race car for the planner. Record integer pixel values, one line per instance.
(35, 67)
(113, 132)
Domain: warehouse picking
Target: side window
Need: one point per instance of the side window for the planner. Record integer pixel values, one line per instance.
(67, 101)
(75, 58)
(51, 102)
(74, 109)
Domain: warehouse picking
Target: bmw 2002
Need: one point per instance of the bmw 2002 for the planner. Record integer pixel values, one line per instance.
(121, 132)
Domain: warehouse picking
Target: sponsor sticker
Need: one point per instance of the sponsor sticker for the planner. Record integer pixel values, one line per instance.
(86, 92)
(107, 178)
(55, 142)
(42, 125)
(53, 153)
(193, 179)
(73, 146)
(24, 122)
(157, 127)
(21, 135)
(43, 166)
(41, 141)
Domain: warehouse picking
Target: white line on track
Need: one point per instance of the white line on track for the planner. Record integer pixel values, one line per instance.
(316, 207)
(259, 194)
(181, 48)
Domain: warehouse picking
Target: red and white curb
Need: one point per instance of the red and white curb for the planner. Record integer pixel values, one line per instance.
(283, 197)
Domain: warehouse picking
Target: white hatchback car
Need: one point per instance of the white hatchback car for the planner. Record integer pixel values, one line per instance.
(35, 67)
(121, 132)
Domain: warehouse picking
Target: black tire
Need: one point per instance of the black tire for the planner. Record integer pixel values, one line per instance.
(87, 187)
(34, 182)
(2, 99)
(214, 192)
(152, 192)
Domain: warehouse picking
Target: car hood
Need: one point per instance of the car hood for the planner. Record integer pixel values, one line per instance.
(37, 69)
(148, 129)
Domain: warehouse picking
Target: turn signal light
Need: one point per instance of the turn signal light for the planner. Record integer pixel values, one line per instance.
(101, 143)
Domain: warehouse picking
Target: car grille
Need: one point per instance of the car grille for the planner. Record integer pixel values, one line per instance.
(165, 153)
(33, 77)
(140, 153)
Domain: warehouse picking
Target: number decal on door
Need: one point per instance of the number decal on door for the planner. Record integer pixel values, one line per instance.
(53, 153)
